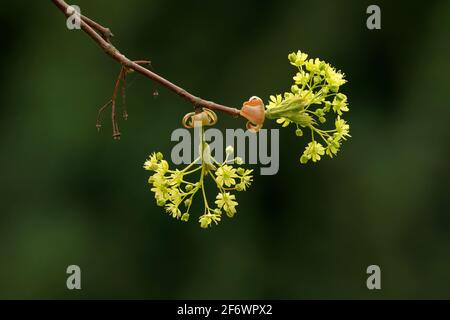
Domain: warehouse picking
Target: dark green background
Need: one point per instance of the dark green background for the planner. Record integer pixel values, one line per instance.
(72, 196)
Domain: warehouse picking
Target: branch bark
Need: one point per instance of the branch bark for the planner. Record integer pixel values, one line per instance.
(102, 35)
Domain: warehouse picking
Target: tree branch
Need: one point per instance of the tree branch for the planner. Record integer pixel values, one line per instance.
(101, 36)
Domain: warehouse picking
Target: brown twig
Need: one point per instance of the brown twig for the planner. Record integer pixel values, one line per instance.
(116, 132)
(124, 97)
(99, 114)
(120, 84)
(102, 35)
(105, 32)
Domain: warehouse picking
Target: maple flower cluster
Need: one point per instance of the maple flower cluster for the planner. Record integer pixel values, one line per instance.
(176, 194)
(314, 98)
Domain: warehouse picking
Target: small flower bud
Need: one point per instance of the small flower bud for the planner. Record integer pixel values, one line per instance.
(159, 156)
(298, 132)
(188, 187)
(239, 160)
(229, 150)
(239, 187)
(303, 159)
(320, 113)
(161, 202)
(292, 57)
(185, 217)
(240, 171)
(187, 202)
(334, 88)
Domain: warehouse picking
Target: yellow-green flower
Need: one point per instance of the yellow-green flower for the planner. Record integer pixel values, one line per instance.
(297, 59)
(163, 167)
(226, 202)
(206, 219)
(160, 188)
(334, 79)
(175, 195)
(151, 163)
(173, 210)
(333, 147)
(313, 65)
(225, 175)
(246, 178)
(340, 103)
(342, 128)
(301, 78)
(313, 151)
(176, 177)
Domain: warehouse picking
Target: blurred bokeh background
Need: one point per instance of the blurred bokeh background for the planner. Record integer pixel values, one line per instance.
(70, 195)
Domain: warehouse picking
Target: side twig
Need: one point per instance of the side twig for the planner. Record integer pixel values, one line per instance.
(120, 84)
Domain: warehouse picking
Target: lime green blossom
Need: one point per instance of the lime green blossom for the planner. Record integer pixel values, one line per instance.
(342, 128)
(246, 178)
(174, 191)
(297, 59)
(206, 219)
(226, 202)
(313, 151)
(152, 162)
(160, 188)
(312, 100)
(176, 177)
(333, 147)
(173, 210)
(225, 175)
(340, 103)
